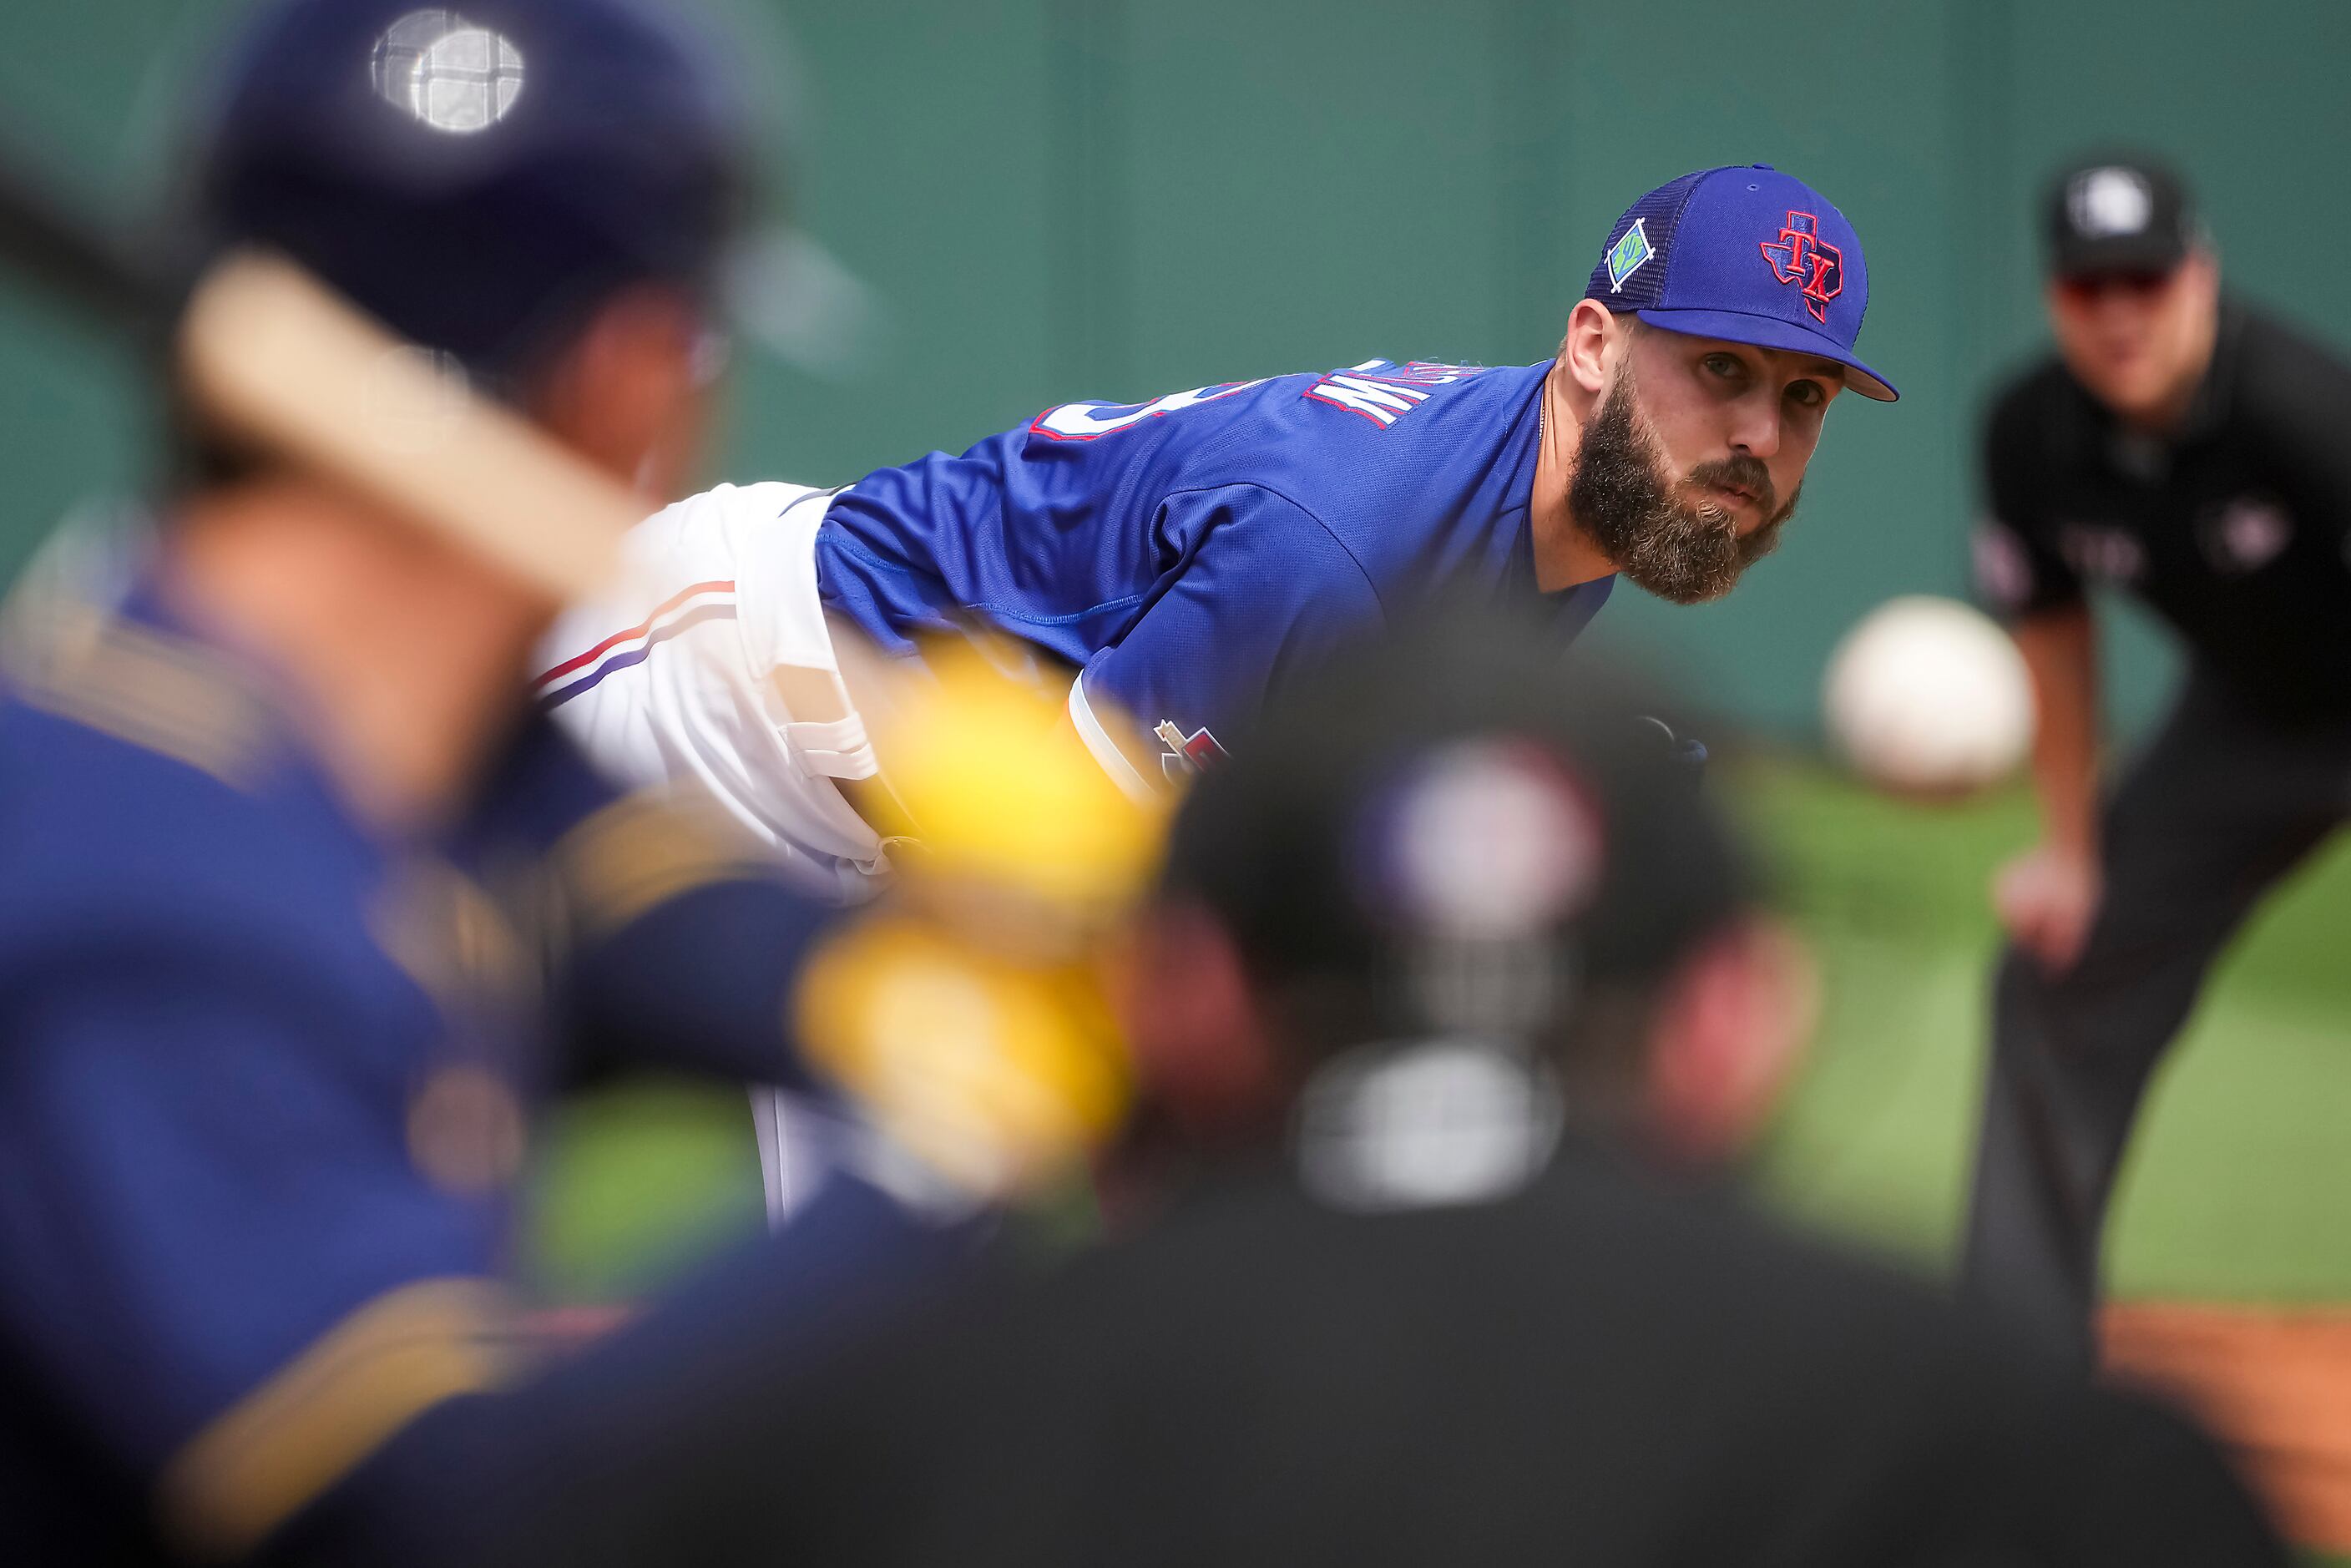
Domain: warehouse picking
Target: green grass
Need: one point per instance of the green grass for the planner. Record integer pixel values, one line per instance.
(634, 1184)
(2239, 1185)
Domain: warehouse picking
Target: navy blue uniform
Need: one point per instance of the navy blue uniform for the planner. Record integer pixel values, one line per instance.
(223, 998)
(265, 1067)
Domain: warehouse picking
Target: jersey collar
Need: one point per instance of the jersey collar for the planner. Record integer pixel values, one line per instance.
(2215, 396)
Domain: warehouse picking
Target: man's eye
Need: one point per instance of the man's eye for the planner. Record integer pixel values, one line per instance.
(1727, 366)
(1807, 394)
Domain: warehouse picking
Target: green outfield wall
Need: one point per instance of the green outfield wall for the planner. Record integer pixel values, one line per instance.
(1014, 204)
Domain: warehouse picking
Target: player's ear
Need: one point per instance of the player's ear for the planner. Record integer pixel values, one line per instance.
(1727, 1034)
(1201, 1049)
(629, 391)
(2202, 267)
(1584, 352)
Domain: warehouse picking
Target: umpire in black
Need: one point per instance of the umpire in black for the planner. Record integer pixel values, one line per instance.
(2193, 450)
(1452, 992)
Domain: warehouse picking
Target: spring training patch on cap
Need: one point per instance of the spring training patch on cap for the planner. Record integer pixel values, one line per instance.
(1625, 256)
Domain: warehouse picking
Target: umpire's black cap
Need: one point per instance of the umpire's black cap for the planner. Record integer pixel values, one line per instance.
(477, 178)
(2126, 213)
(1457, 781)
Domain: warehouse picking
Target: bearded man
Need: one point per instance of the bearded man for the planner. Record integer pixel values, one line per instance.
(1190, 555)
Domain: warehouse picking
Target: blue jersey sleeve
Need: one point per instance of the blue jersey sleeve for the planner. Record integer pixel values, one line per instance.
(219, 1239)
(1260, 591)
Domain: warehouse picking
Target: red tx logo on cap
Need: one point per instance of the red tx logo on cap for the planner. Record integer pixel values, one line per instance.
(1803, 257)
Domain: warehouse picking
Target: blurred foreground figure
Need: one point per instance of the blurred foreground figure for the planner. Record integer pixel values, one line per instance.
(2192, 450)
(286, 877)
(1451, 989)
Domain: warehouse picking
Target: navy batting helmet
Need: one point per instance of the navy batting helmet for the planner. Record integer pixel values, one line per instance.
(1451, 823)
(479, 177)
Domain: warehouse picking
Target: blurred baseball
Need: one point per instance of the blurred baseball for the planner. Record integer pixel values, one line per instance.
(1928, 696)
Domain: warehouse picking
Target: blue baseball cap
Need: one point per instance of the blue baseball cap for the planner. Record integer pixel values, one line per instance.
(478, 177)
(1747, 254)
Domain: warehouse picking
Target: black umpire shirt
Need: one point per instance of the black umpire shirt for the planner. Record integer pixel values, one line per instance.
(2236, 528)
(1591, 1370)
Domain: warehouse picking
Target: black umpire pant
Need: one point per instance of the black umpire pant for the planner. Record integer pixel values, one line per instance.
(2221, 806)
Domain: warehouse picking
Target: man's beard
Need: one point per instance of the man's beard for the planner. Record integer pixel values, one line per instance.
(1620, 495)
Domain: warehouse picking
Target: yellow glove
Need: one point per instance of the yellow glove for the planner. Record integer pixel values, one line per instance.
(966, 1011)
(997, 1074)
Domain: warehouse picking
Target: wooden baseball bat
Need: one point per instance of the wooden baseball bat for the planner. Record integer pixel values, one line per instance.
(279, 361)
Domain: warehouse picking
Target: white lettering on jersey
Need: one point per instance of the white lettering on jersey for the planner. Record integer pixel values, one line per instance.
(1382, 406)
(1383, 391)
(1086, 421)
